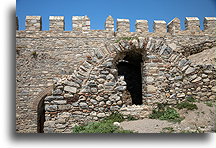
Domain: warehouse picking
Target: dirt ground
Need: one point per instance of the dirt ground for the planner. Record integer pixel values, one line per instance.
(201, 120)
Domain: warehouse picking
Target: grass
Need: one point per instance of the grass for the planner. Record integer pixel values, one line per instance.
(187, 105)
(190, 99)
(167, 130)
(169, 114)
(210, 104)
(125, 39)
(104, 126)
(34, 54)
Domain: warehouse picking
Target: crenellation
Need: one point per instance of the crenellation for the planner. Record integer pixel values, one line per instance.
(142, 26)
(159, 26)
(192, 24)
(33, 23)
(56, 23)
(209, 24)
(123, 25)
(81, 23)
(173, 26)
(109, 24)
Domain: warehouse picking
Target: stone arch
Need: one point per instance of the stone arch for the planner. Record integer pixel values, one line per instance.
(39, 107)
(94, 90)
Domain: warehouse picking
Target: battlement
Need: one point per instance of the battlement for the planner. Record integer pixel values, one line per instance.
(82, 24)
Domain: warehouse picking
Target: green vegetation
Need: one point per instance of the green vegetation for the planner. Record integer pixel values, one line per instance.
(210, 104)
(169, 114)
(190, 99)
(125, 39)
(167, 130)
(34, 54)
(187, 105)
(104, 126)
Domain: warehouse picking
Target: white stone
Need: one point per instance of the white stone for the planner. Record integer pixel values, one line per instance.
(101, 115)
(70, 89)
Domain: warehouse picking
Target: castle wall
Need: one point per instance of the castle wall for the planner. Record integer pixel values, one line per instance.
(43, 57)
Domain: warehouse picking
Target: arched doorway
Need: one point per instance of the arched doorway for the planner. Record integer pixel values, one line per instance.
(41, 116)
(130, 68)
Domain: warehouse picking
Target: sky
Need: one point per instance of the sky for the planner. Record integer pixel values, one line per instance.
(99, 10)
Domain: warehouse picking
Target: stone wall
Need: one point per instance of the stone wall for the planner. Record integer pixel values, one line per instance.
(75, 71)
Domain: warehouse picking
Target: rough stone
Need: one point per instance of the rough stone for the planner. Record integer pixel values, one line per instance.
(101, 115)
(189, 70)
(70, 89)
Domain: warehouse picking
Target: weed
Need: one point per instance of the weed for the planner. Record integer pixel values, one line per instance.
(187, 105)
(210, 104)
(169, 114)
(190, 99)
(125, 39)
(34, 54)
(130, 118)
(104, 126)
(167, 130)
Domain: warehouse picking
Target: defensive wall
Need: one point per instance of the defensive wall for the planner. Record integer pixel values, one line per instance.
(68, 77)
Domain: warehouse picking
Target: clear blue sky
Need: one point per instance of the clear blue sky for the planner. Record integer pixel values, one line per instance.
(98, 10)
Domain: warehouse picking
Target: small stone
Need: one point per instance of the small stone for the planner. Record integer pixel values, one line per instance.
(121, 78)
(149, 79)
(49, 123)
(212, 97)
(206, 80)
(93, 90)
(50, 98)
(93, 101)
(193, 77)
(204, 76)
(75, 104)
(99, 98)
(95, 118)
(116, 124)
(83, 105)
(180, 95)
(109, 77)
(178, 77)
(207, 71)
(185, 67)
(105, 72)
(51, 108)
(59, 101)
(113, 108)
(61, 121)
(198, 89)
(119, 103)
(108, 102)
(213, 89)
(101, 80)
(102, 103)
(151, 89)
(64, 107)
(189, 70)
(101, 115)
(70, 89)
(93, 114)
(68, 96)
(120, 88)
(109, 84)
(108, 64)
(197, 79)
(57, 92)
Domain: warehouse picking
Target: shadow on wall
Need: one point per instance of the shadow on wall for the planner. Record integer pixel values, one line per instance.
(130, 68)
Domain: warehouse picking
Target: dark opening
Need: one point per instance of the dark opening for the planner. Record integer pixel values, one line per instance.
(130, 68)
(40, 116)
